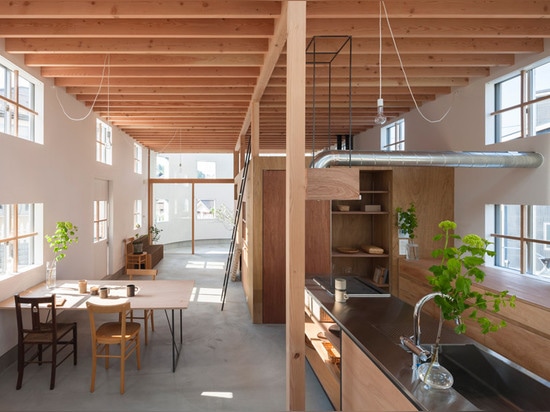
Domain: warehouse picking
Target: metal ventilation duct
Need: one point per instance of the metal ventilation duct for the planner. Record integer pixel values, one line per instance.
(436, 159)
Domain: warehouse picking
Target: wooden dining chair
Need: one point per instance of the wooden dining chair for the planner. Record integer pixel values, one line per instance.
(36, 332)
(147, 313)
(120, 332)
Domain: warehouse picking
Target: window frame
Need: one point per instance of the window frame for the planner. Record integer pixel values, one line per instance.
(392, 136)
(13, 122)
(138, 158)
(527, 104)
(104, 146)
(13, 237)
(100, 222)
(528, 256)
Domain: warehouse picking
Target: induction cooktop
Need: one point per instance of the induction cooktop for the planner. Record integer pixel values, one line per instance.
(355, 287)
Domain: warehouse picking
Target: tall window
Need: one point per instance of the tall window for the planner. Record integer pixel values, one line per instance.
(19, 236)
(104, 147)
(100, 220)
(20, 97)
(137, 214)
(522, 238)
(138, 158)
(521, 104)
(393, 136)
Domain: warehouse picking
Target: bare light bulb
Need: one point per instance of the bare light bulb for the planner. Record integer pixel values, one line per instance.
(380, 117)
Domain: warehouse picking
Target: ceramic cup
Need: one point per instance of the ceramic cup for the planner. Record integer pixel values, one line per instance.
(131, 290)
(103, 293)
(82, 286)
(340, 294)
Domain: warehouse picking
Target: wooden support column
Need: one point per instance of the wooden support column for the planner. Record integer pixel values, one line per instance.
(295, 203)
(255, 126)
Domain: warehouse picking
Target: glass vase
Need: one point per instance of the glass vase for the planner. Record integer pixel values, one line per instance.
(412, 251)
(434, 375)
(51, 274)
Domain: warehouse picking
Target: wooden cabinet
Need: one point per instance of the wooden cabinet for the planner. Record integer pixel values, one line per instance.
(361, 229)
(364, 385)
(317, 229)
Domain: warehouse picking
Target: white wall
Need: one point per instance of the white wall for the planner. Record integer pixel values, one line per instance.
(464, 130)
(60, 174)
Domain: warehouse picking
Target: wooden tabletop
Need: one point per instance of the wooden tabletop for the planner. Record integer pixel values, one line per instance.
(150, 294)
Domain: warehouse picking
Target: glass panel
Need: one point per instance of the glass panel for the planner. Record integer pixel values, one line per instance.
(7, 221)
(4, 81)
(508, 93)
(509, 220)
(25, 219)
(26, 92)
(25, 253)
(509, 256)
(192, 165)
(508, 125)
(6, 258)
(216, 220)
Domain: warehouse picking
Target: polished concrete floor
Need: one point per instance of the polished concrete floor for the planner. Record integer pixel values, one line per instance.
(227, 363)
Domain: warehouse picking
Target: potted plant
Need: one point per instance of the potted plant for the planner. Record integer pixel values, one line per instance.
(64, 236)
(155, 233)
(453, 278)
(407, 223)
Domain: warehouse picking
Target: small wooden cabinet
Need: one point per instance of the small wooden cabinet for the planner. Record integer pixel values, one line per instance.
(361, 229)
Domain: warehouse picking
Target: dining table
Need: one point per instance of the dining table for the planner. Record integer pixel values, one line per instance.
(167, 295)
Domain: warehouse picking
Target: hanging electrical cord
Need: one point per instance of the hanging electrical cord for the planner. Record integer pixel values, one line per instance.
(95, 98)
(380, 118)
(383, 4)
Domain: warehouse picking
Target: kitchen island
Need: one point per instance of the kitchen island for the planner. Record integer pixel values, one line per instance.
(375, 370)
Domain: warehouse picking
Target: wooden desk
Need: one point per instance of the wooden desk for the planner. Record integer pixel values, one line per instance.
(167, 295)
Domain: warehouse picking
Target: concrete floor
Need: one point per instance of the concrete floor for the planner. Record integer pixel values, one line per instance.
(227, 363)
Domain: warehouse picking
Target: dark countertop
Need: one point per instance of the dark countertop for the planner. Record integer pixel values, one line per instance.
(375, 325)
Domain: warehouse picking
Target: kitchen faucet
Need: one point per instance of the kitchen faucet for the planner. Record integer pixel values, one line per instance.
(413, 343)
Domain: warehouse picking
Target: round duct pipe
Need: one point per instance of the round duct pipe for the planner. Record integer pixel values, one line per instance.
(435, 159)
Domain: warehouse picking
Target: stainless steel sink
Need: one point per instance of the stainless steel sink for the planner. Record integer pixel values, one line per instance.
(492, 382)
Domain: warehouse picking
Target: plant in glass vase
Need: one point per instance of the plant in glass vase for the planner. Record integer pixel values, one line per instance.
(407, 222)
(452, 282)
(65, 235)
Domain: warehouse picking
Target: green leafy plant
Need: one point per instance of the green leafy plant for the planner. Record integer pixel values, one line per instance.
(64, 236)
(155, 233)
(406, 220)
(454, 276)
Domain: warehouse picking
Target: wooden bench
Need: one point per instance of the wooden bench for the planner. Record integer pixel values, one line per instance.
(151, 256)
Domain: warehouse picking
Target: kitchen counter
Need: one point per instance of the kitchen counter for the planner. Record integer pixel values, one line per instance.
(375, 325)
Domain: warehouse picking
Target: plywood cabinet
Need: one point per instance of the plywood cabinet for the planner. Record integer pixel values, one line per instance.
(364, 385)
(317, 229)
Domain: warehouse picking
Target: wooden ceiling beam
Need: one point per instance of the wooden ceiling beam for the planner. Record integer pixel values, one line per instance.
(137, 28)
(132, 45)
(161, 90)
(156, 81)
(153, 72)
(431, 8)
(139, 9)
(144, 60)
(433, 28)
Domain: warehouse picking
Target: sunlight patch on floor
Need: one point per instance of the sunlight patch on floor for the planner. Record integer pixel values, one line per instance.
(206, 295)
(226, 395)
